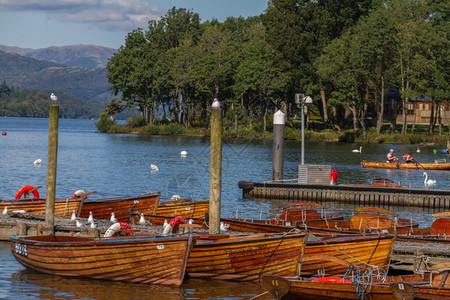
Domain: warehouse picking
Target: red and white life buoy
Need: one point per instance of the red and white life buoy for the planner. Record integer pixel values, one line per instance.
(117, 228)
(174, 224)
(25, 190)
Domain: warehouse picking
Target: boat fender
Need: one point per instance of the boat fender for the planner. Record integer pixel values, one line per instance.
(333, 177)
(245, 185)
(116, 228)
(174, 224)
(78, 193)
(26, 189)
(331, 279)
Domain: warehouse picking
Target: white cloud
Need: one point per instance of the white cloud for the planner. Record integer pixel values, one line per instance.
(111, 15)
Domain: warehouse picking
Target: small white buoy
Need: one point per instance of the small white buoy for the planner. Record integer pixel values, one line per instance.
(37, 161)
(91, 217)
(93, 225)
(154, 167)
(175, 197)
(183, 153)
(5, 210)
(113, 218)
(78, 223)
(74, 217)
(142, 220)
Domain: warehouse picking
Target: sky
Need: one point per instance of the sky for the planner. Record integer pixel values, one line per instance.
(43, 23)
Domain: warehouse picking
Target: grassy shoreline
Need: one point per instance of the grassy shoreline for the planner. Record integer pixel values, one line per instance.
(290, 133)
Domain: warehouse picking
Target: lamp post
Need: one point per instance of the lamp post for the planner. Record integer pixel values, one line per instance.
(301, 100)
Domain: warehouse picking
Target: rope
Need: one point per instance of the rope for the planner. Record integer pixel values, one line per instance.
(271, 254)
(257, 296)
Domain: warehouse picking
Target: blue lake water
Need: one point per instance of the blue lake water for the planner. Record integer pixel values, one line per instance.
(119, 165)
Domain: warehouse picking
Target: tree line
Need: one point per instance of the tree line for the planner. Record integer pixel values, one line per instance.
(344, 54)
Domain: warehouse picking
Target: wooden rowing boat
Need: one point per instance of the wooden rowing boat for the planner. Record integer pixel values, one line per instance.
(306, 212)
(409, 166)
(438, 232)
(360, 250)
(245, 257)
(361, 286)
(183, 207)
(120, 206)
(140, 259)
(63, 207)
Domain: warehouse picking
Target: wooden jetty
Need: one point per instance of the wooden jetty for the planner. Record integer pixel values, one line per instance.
(355, 195)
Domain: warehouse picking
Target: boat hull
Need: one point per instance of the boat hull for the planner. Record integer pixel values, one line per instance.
(246, 258)
(184, 208)
(121, 207)
(410, 166)
(63, 207)
(359, 250)
(148, 260)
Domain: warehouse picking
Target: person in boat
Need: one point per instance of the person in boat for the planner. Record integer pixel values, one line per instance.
(408, 157)
(390, 157)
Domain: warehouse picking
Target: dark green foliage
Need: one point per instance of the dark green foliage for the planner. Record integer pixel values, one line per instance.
(134, 121)
(105, 123)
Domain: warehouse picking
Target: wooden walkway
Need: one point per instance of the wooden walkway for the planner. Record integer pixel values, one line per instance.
(361, 196)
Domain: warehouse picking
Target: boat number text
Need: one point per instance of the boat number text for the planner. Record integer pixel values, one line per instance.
(160, 247)
(261, 246)
(188, 208)
(136, 201)
(22, 249)
(400, 286)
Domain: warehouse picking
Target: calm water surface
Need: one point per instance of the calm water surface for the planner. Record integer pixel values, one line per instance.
(119, 165)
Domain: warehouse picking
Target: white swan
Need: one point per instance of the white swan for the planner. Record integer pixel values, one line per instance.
(154, 167)
(357, 151)
(418, 150)
(428, 182)
(183, 153)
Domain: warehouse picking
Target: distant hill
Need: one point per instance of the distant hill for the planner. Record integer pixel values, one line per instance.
(88, 56)
(89, 84)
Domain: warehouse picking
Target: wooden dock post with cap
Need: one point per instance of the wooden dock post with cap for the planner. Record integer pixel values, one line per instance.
(215, 179)
(278, 146)
(51, 164)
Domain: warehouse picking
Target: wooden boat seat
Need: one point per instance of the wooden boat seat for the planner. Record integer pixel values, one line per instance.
(370, 221)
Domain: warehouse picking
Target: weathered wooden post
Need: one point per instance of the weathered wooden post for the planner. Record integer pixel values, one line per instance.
(51, 165)
(215, 179)
(278, 146)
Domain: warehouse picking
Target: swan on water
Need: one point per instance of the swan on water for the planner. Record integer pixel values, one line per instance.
(418, 150)
(357, 151)
(154, 167)
(175, 197)
(183, 153)
(428, 182)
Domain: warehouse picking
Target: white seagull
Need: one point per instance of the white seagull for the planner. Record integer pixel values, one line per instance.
(91, 217)
(357, 151)
(79, 223)
(223, 226)
(154, 167)
(53, 97)
(113, 218)
(142, 220)
(93, 225)
(5, 210)
(165, 224)
(428, 182)
(175, 197)
(37, 161)
(74, 217)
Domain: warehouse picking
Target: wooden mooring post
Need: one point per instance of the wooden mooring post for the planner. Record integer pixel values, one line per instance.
(355, 195)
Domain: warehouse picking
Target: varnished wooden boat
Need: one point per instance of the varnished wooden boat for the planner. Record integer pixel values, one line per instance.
(306, 212)
(355, 286)
(360, 250)
(183, 207)
(246, 257)
(63, 207)
(140, 259)
(120, 206)
(438, 232)
(409, 166)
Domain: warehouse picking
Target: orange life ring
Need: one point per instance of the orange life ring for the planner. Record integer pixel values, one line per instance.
(26, 189)
(331, 279)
